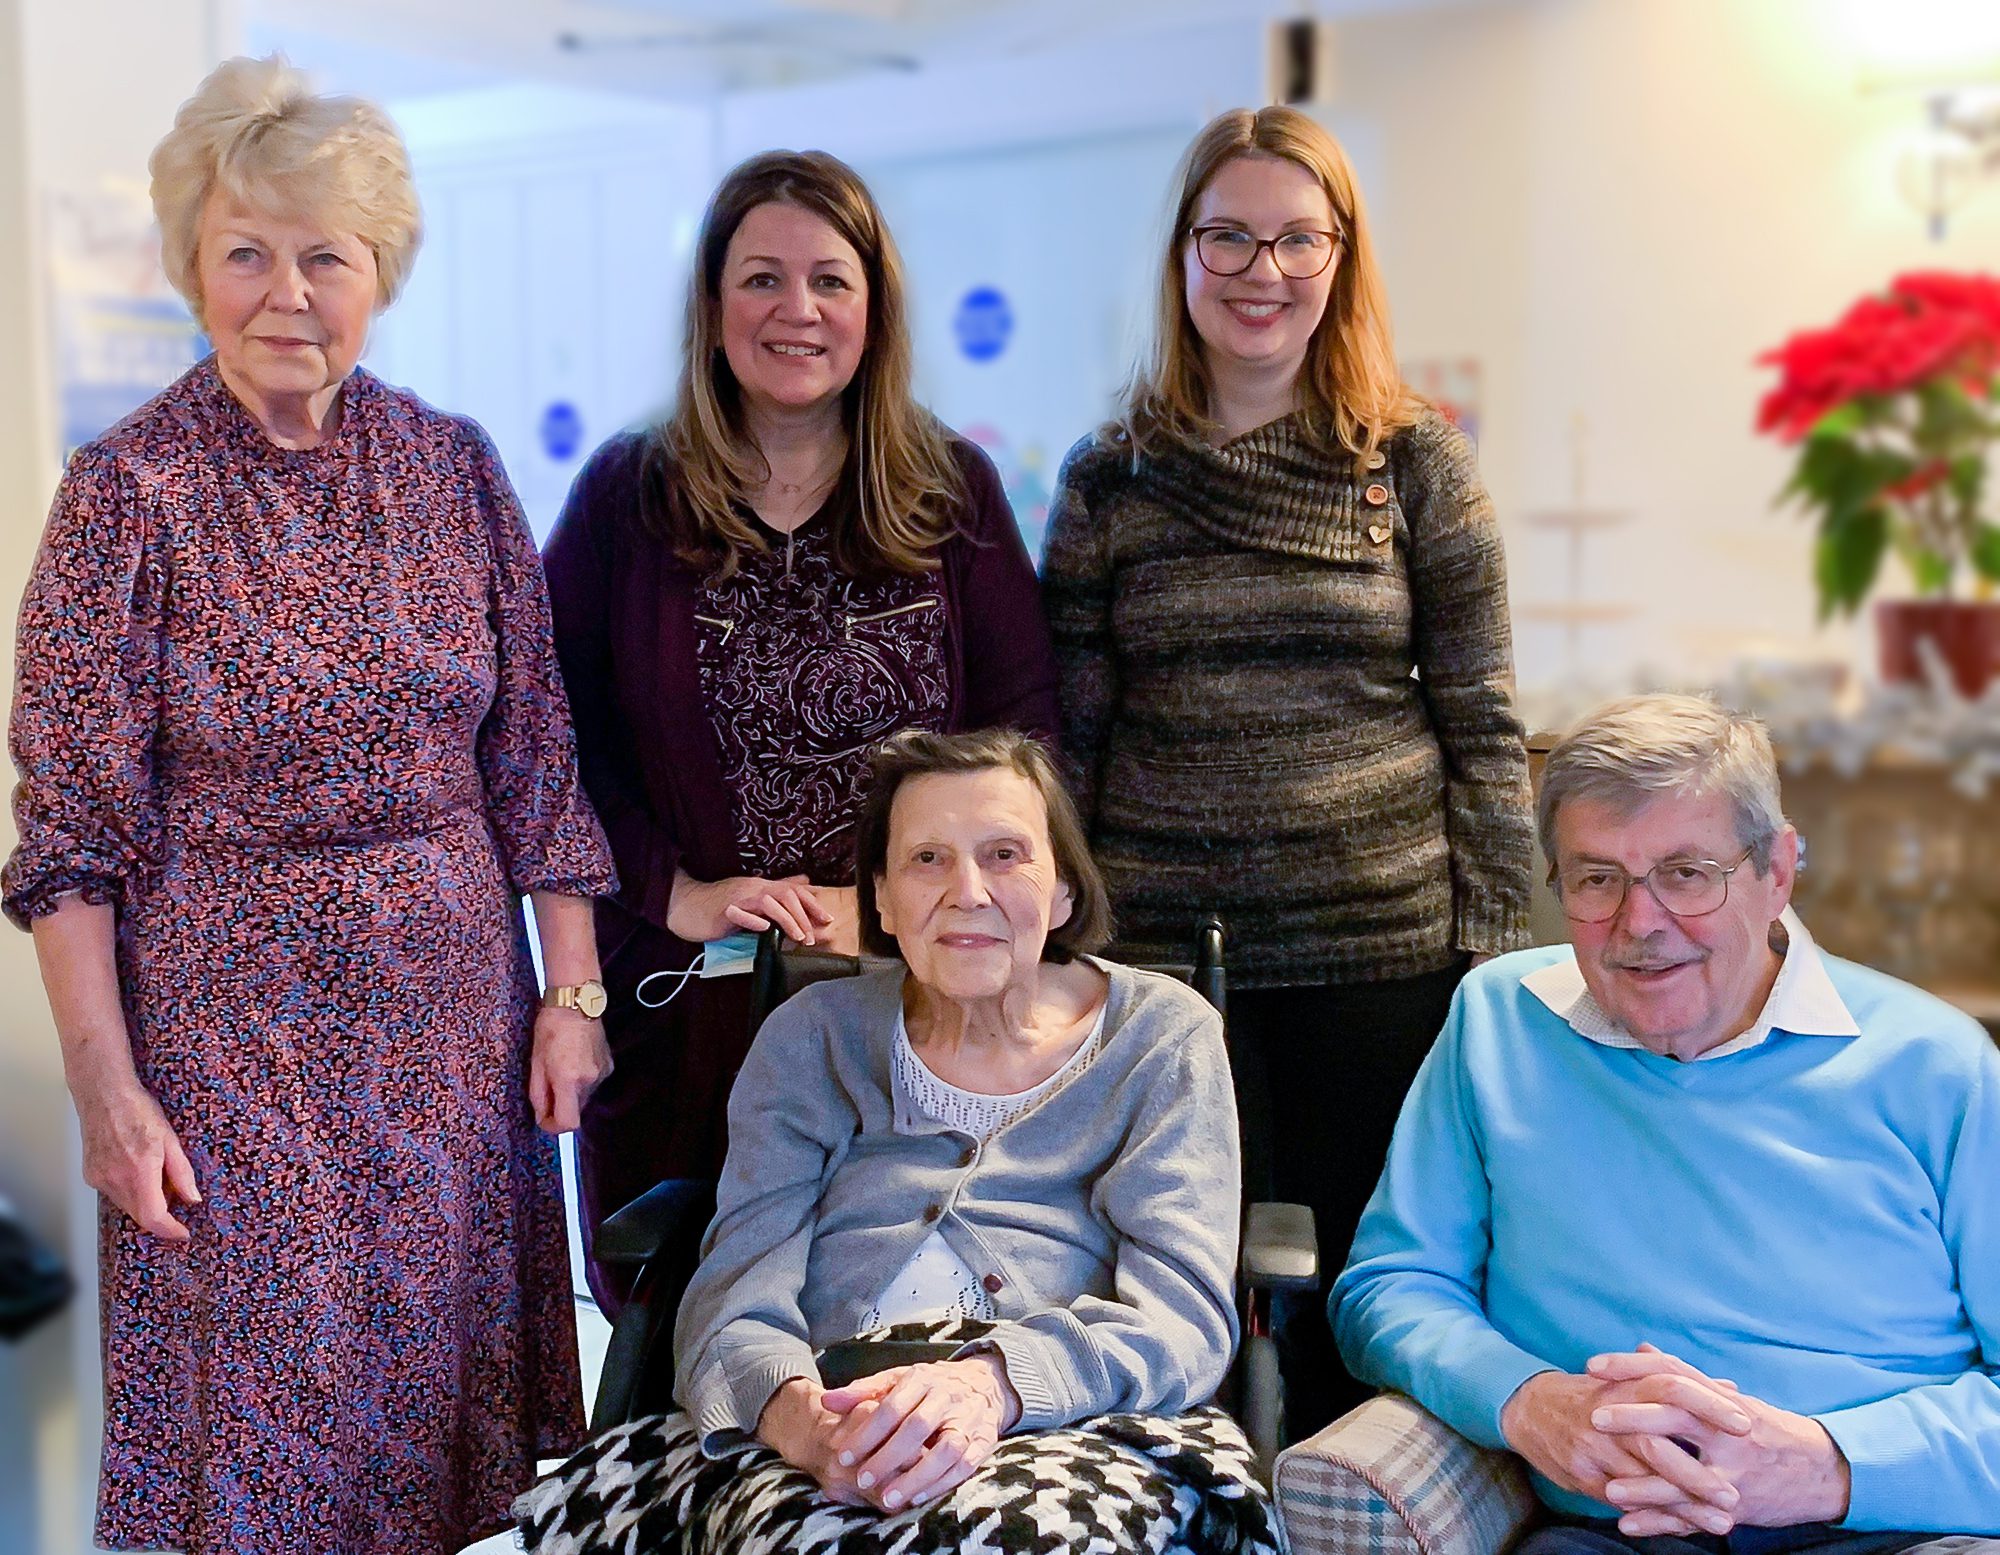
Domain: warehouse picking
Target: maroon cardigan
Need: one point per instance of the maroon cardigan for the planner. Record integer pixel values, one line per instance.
(624, 623)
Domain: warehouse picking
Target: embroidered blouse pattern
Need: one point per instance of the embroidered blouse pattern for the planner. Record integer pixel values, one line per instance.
(803, 667)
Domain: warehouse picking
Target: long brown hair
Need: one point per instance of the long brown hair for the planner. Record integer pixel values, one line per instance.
(894, 500)
(1351, 393)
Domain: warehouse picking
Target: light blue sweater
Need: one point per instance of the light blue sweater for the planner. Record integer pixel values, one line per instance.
(1816, 1217)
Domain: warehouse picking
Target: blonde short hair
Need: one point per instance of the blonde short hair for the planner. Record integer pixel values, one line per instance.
(1629, 752)
(1351, 392)
(255, 130)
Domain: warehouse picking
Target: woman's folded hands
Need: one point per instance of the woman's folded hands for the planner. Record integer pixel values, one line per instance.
(903, 1437)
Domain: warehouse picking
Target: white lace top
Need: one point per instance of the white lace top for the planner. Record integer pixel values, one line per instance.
(937, 1283)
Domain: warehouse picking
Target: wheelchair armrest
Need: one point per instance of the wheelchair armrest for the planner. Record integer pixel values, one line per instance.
(669, 1214)
(1399, 1479)
(1280, 1250)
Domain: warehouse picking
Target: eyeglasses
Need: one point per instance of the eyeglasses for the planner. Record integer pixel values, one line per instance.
(1299, 255)
(1685, 887)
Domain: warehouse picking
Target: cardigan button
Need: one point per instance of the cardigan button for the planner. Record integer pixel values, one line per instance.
(1377, 459)
(1376, 495)
(931, 1213)
(992, 1282)
(971, 1155)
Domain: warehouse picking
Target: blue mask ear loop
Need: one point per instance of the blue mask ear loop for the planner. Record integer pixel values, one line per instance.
(680, 980)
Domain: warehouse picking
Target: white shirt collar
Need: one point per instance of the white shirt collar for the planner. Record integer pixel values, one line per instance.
(1803, 1000)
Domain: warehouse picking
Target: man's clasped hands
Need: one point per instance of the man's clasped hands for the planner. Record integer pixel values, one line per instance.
(1674, 1450)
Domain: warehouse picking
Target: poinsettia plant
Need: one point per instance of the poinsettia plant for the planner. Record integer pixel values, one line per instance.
(1896, 409)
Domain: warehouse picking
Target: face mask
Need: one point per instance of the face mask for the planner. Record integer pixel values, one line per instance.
(719, 958)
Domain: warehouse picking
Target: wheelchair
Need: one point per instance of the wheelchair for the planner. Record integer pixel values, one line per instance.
(660, 1233)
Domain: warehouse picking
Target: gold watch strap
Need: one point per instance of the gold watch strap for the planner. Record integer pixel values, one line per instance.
(587, 998)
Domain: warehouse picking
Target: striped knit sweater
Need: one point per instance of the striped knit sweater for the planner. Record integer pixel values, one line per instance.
(1237, 628)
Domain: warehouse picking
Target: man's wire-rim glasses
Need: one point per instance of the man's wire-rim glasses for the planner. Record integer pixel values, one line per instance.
(1685, 887)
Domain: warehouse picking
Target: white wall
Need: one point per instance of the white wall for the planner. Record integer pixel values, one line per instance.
(553, 270)
(86, 88)
(1109, 83)
(1081, 214)
(1617, 204)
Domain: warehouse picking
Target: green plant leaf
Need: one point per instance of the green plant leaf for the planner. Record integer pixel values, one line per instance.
(1967, 478)
(1930, 571)
(1847, 558)
(1839, 475)
(1842, 421)
(1986, 550)
(1946, 415)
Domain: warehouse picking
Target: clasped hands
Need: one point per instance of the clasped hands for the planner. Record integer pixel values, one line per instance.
(1674, 1450)
(901, 1438)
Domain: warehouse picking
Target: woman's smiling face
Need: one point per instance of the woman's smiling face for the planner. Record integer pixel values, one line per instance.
(970, 888)
(1261, 319)
(794, 309)
(286, 298)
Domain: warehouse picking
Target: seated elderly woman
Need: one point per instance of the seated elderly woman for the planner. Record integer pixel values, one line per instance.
(1005, 1146)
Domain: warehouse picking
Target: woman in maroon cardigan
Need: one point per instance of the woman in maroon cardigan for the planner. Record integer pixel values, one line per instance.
(798, 563)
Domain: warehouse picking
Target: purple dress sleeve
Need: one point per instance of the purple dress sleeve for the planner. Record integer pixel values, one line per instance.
(580, 572)
(87, 696)
(1010, 664)
(549, 836)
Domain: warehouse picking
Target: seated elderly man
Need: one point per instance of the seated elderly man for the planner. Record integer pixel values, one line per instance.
(1700, 1221)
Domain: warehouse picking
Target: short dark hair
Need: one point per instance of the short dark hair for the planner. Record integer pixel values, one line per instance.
(922, 752)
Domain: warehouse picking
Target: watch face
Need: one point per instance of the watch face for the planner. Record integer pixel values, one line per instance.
(590, 1000)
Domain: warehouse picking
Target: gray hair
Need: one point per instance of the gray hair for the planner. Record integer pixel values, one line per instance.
(256, 130)
(1631, 751)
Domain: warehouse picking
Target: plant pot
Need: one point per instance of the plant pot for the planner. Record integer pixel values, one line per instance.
(1967, 635)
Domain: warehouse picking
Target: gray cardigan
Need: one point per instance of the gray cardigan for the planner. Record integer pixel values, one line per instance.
(1104, 1222)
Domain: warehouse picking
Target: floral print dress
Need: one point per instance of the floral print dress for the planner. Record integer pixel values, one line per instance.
(296, 714)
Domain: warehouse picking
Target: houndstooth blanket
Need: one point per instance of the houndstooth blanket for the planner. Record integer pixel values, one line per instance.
(1117, 1485)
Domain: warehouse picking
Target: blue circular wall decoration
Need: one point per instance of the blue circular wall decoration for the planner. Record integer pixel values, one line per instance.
(562, 430)
(984, 322)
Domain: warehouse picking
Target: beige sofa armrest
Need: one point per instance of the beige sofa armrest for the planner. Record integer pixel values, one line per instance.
(1390, 1479)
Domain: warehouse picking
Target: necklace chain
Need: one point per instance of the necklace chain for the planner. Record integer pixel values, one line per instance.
(821, 478)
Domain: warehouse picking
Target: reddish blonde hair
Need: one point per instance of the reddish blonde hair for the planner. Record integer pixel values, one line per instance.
(1351, 392)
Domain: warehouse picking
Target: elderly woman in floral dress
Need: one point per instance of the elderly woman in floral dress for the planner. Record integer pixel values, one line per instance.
(292, 746)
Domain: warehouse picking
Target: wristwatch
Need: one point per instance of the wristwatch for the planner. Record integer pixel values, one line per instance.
(587, 999)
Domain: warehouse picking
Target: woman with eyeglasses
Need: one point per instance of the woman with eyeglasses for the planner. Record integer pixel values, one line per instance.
(800, 561)
(1277, 592)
